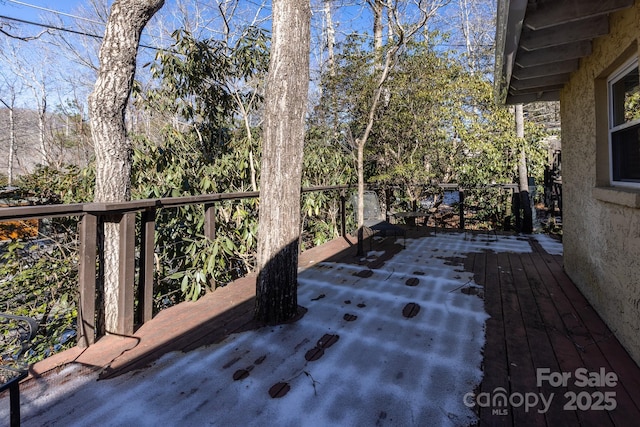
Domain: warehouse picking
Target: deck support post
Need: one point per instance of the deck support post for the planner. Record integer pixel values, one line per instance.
(210, 221)
(126, 274)
(147, 250)
(87, 280)
(343, 214)
(461, 208)
(210, 231)
(360, 241)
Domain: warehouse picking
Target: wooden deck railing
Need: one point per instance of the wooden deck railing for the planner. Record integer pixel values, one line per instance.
(92, 219)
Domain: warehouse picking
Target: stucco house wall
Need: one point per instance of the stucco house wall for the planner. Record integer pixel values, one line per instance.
(601, 231)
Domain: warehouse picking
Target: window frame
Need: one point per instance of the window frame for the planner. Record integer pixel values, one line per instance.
(613, 78)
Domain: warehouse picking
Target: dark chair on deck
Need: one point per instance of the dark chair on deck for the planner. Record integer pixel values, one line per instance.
(15, 341)
(374, 219)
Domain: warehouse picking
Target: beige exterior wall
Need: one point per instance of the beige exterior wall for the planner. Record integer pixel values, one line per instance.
(601, 224)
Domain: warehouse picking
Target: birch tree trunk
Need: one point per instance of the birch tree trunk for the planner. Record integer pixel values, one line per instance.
(382, 67)
(331, 38)
(12, 133)
(12, 146)
(377, 7)
(107, 105)
(283, 141)
(42, 114)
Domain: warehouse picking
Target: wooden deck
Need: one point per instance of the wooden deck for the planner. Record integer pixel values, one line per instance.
(539, 320)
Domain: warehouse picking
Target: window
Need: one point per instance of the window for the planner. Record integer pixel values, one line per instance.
(624, 125)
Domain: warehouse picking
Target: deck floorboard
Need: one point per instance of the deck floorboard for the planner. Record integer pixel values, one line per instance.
(547, 323)
(537, 319)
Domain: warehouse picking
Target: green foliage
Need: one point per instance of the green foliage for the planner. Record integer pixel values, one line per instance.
(188, 261)
(39, 276)
(204, 82)
(632, 105)
(68, 184)
(325, 163)
(437, 121)
(347, 92)
(200, 80)
(40, 281)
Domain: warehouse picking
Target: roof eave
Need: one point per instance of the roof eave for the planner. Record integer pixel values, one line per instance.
(510, 19)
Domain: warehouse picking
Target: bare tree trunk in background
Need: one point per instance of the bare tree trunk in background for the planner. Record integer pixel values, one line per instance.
(383, 67)
(39, 90)
(42, 115)
(473, 20)
(12, 133)
(331, 38)
(525, 202)
(281, 171)
(244, 111)
(12, 146)
(378, 8)
(107, 105)
(466, 32)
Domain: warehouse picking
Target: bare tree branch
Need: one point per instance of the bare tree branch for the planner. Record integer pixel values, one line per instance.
(24, 39)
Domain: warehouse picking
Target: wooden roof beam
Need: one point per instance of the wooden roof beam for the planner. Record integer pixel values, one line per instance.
(556, 54)
(546, 69)
(540, 82)
(586, 29)
(533, 97)
(552, 13)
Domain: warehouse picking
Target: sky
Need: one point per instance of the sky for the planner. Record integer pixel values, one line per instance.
(60, 67)
(35, 10)
(69, 14)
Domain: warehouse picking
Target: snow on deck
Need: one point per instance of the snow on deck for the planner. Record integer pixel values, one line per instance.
(398, 345)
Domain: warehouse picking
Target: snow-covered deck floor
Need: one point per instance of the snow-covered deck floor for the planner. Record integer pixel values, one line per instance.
(408, 336)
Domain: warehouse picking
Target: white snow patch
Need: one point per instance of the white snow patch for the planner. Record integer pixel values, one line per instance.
(384, 368)
(549, 244)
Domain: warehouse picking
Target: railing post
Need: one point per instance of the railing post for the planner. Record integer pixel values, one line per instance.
(210, 231)
(508, 210)
(210, 221)
(387, 201)
(343, 214)
(147, 250)
(87, 280)
(515, 200)
(126, 274)
(461, 207)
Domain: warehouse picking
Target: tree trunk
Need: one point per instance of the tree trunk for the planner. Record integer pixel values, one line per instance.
(12, 145)
(283, 141)
(12, 134)
(383, 68)
(331, 38)
(107, 105)
(360, 213)
(377, 7)
(525, 203)
(465, 16)
(42, 114)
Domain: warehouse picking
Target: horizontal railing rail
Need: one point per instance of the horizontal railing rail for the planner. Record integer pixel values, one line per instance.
(94, 215)
(52, 211)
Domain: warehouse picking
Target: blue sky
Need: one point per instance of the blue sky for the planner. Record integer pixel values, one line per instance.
(19, 8)
(348, 16)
